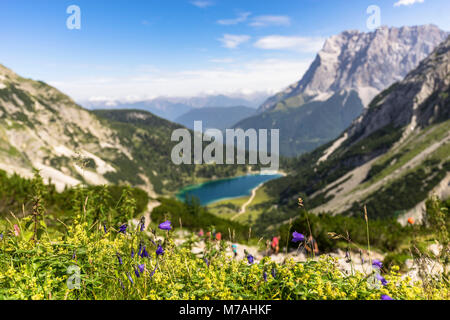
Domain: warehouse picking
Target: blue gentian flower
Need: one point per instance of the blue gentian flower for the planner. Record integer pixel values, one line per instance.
(206, 261)
(144, 253)
(377, 263)
(385, 297)
(274, 273)
(382, 279)
(140, 249)
(123, 229)
(136, 272)
(142, 224)
(250, 259)
(159, 251)
(297, 237)
(104, 229)
(265, 276)
(165, 226)
(141, 268)
(119, 258)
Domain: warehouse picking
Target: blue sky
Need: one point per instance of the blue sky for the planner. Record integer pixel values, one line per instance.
(142, 49)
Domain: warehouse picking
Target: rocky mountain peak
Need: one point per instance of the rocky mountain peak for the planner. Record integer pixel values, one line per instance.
(364, 62)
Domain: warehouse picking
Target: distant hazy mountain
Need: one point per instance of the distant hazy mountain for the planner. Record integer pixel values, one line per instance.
(347, 73)
(172, 108)
(215, 117)
(391, 158)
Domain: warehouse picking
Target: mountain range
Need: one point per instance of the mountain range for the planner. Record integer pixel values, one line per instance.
(215, 117)
(170, 108)
(350, 70)
(43, 129)
(390, 159)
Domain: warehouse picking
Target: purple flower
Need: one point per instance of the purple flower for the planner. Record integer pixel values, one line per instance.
(123, 229)
(142, 224)
(385, 297)
(165, 226)
(159, 251)
(140, 249)
(104, 229)
(153, 272)
(144, 253)
(121, 284)
(132, 253)
(136, 272)
(297, 237)
(382, 279)
(141, 268)
(377, 263)
(74, 256)
(1, 236)
(130, 278)
(265, 276)
(274, 273)
(119, 258)
(206, 261)
(250, 259)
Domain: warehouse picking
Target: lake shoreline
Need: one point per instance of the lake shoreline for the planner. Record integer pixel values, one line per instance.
(183, 191)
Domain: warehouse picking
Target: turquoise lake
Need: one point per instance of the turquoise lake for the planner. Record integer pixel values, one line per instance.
(214, 191)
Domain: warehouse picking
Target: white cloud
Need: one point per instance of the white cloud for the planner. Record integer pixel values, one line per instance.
(240, 18)
(202, 3)
(231, 41)
(407, 2)
(264, 21)
(300, 44)
(270, 75)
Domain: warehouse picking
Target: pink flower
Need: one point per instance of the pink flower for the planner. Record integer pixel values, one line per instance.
(16, 230)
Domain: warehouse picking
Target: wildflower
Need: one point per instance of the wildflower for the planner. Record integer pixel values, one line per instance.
(274, 273)
(165, 226)
(297, 237)
(142, 224)
(300, 202)
(130, 278)
(16, 230)
(385, 297)
(382, 279)
(140, 249)
(377, 263)
(119, 258)
(250, 259)
(121, 284)
(123, 229)
(141, 268)
(1, 236)
(144, 253)
(159, 251)
(153, 272)
(411, 221)
(265, 276)
(206, 261)
(136, 272)
(104, 229)
(74, 256)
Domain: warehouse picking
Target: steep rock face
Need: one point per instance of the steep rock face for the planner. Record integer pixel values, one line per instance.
(421, 99)
(391, 158)
(351, 62)
(365, 62)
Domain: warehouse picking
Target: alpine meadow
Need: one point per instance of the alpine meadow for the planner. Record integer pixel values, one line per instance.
(224, 150)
